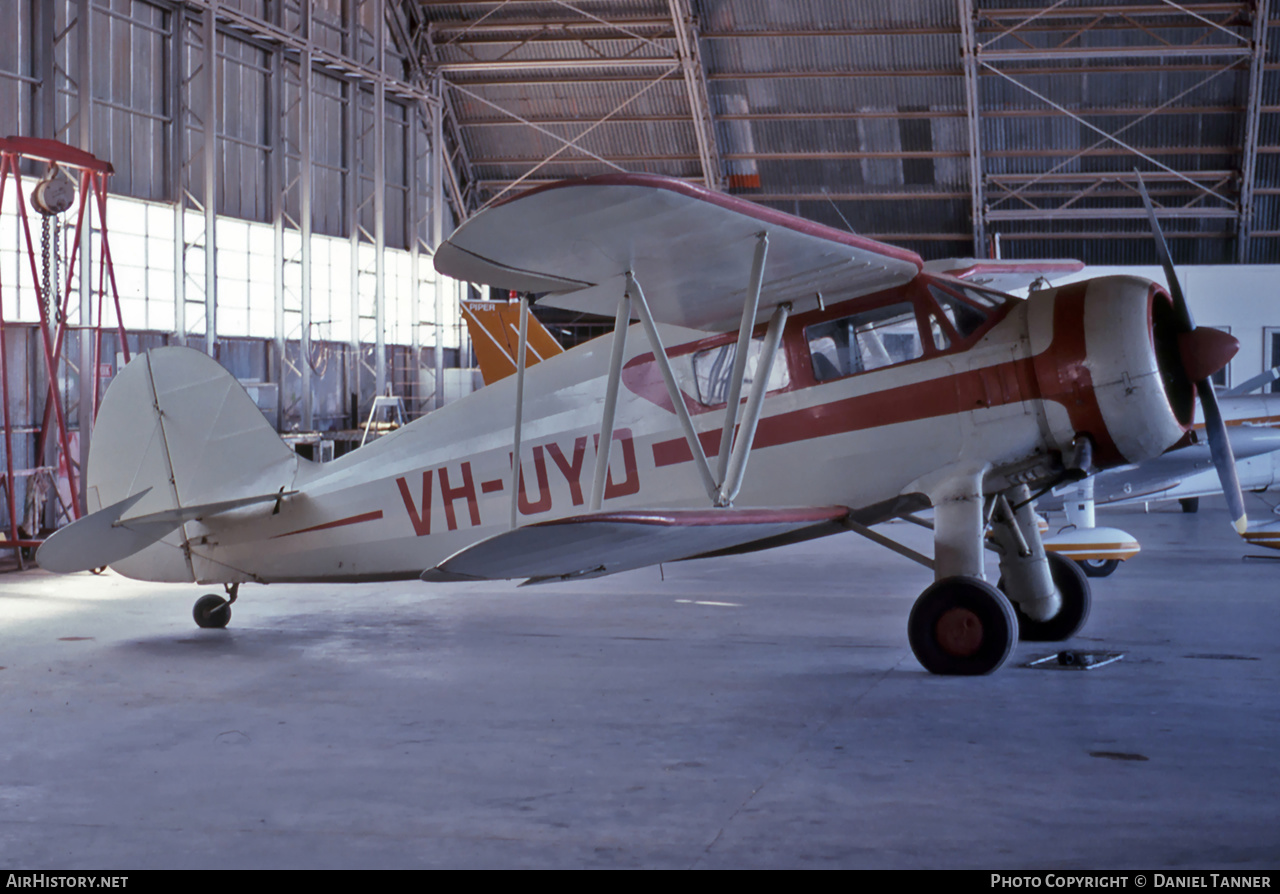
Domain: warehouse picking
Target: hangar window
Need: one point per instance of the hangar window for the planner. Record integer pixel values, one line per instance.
(1271, 336)
(865, 341)
(713, 368)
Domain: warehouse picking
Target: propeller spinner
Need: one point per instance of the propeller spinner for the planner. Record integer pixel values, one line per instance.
(1203, 352)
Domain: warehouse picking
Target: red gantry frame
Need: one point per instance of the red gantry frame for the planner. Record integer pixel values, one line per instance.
(92, 182)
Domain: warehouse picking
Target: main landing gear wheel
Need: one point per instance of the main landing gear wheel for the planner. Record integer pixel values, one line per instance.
(1098, 567)
(212, 611)
(1074, 589)
(962, 626)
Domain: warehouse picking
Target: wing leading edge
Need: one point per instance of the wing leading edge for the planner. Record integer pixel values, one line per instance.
(608, 542)
(690, 248)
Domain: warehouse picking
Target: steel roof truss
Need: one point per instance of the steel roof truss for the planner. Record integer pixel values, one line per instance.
(568, 144)
(1248, 167)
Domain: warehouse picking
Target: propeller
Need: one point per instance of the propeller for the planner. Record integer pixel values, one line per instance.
(1203, 352)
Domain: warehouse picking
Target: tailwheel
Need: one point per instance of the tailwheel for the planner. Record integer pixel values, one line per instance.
(962, 626)
(1074, 589)
(212, 611)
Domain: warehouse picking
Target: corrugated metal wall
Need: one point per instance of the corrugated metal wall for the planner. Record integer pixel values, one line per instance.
(128, 80)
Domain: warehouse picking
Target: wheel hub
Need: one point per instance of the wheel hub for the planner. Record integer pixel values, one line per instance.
(959, 632)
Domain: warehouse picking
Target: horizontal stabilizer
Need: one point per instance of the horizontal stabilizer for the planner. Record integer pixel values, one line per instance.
(96, 540)
(106, 536)
(609, 542)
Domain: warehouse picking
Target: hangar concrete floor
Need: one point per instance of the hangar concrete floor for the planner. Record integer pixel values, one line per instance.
(760, 711)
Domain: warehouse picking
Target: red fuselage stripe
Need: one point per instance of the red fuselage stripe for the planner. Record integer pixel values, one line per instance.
(351, 520)
(992, 386)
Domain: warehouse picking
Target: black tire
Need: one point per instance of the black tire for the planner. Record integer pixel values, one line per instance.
(212, 611)
(1098, 567)
(1190, 504)
(962, 626)
(1076, 594)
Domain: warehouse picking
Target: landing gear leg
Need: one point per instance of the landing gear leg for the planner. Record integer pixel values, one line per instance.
(212, 611)
(961, 625)
(1073, 587)
(1050, 593)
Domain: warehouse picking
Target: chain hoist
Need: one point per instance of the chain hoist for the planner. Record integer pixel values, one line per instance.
(51, 197)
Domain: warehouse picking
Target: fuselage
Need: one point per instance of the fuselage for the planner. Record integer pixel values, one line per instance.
(879, 397)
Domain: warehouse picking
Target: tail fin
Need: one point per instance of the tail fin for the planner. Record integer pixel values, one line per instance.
(177, 438)
(495, 335)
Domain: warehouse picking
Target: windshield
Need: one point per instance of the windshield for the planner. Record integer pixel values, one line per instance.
(966, 307)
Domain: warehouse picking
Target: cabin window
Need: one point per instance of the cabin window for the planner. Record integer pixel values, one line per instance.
(713, 368)
(865, 341)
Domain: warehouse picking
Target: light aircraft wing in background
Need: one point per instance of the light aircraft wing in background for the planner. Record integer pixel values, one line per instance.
(1256, 383)
(1186, 472)
(578, 239)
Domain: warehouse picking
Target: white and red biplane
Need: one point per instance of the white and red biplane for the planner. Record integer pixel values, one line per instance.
(874, 390)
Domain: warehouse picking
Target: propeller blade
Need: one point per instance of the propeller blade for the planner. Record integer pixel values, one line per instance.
(1224, 459)
(1198, 358)
(1166, 261)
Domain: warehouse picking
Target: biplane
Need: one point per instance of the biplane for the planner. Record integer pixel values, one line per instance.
(783, 381)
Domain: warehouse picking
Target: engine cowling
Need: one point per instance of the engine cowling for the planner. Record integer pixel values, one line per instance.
(1110, 365)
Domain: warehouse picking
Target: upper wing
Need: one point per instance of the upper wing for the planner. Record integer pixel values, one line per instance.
(689, 248)
(1003, 276)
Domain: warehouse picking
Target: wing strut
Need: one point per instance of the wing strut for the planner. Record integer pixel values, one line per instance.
(750, 305)
(731, 464)
(620, 326)
(732, 461)
(673, 390)
(521, 356)
(732, 482)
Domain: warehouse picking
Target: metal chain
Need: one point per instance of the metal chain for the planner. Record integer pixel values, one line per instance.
(57, 267)
(44, 263)
(50, 258)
